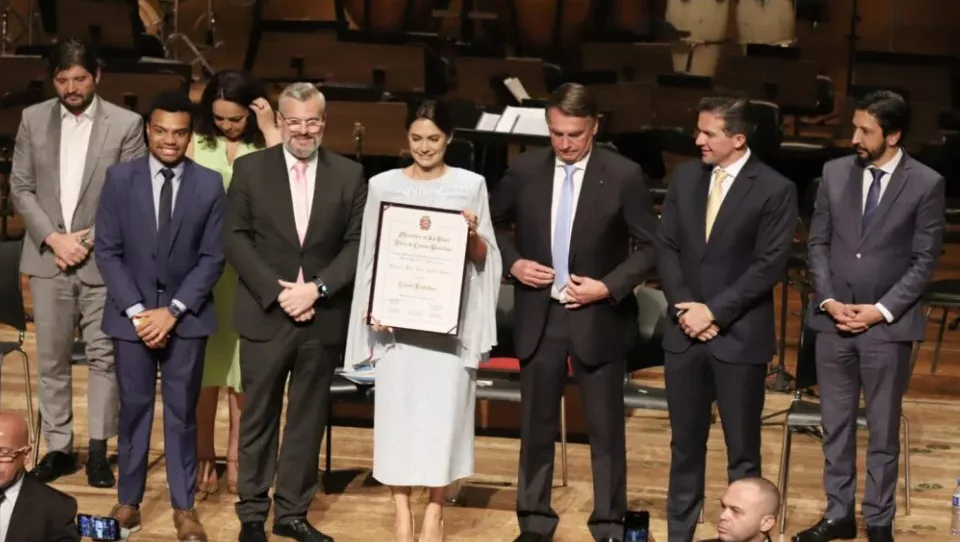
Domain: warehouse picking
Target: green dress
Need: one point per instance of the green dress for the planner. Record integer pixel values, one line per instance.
(222, 362)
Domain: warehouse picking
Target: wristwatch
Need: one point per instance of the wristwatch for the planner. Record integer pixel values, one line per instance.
(85, 242)
(321, 287)
(175, 310)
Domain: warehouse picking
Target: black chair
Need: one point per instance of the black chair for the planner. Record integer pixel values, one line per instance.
(340, 389)
(944, 294)
(13, 315)
(805, 416)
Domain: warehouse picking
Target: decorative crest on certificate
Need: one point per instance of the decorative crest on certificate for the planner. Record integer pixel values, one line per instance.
(418, 268)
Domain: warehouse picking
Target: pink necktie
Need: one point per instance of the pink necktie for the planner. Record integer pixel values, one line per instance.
(300, 201)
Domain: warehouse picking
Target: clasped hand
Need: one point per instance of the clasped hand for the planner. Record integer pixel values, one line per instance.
(696, 321)
(579, 290)
(297, 299)
(153, 327)
(853, 318)
(67, 250)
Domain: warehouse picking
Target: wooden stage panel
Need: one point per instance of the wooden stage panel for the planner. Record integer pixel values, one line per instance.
(363, 512)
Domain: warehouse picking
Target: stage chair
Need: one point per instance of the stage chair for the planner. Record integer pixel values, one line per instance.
(943, 294)
(340, 388)
(13, 315)
(804, 415)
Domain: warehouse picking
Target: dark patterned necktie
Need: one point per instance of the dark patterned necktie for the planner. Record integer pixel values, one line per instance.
(873, 198)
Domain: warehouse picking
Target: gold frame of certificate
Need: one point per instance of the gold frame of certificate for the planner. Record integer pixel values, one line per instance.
(419, 268)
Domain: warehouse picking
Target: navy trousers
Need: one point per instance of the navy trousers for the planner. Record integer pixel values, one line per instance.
(181, 373)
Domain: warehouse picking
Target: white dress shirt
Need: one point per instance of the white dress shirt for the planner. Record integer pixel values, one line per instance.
(560, 175)
(732, 171)
(7, 506)
(310, 174)
(888, 168)
(74, 140)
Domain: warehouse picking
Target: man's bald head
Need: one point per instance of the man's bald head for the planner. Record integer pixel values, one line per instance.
(13, 431)
(14, 447)
(750, 507)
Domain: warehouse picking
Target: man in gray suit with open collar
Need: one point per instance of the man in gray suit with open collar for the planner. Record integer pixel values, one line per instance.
(64, 147)
(874, 243)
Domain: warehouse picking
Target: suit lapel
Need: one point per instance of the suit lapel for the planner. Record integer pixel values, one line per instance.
(322, 176)
(589, 192)
(890, 194)
(183, 201)
(284, 200)
(853, 201)
(23, 520)
(143, 188)
(741, 186)
(98, 134)
(542, 195)
(53, 132)
(699, 206)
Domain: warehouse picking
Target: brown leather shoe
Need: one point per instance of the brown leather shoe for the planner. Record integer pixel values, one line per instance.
(127, 516)
(188, 526)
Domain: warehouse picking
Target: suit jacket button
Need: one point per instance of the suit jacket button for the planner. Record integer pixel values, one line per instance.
(858, 255)
(60, 227)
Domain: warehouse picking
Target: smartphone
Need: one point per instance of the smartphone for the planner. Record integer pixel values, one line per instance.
(636, 526)
(98, 528)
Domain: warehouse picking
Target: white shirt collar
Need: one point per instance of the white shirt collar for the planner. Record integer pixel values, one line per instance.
(88, 113)
(734, 169)
(579, 165)
(290, 159)
(13, 491)
(892, 163)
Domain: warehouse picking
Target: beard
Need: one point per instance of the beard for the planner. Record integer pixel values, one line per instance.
(77, 109)
(870, 154)
(306, 150)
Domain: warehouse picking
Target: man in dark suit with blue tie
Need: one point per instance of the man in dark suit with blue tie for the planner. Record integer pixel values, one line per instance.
(159, 250)
(874, 243)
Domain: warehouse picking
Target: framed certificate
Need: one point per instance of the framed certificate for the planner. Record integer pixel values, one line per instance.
(418, 268)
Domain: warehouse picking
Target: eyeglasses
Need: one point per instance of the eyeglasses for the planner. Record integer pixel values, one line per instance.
(9, 456)
(310, 125)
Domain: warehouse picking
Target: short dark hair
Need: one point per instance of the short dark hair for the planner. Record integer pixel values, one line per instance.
(573, 100)
(234, 86)
(889, 108)
(72, 52)
(734, 110)
(172, 101)
(435, 111)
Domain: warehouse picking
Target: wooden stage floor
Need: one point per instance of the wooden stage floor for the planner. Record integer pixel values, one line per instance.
(363, 510)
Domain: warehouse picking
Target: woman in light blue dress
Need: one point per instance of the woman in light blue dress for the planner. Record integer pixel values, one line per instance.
(426, 384)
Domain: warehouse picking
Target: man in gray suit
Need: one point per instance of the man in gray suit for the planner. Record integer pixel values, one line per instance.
(64, 147)
(874, 243)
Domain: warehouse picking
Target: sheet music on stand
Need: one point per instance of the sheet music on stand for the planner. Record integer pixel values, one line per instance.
(530, 121)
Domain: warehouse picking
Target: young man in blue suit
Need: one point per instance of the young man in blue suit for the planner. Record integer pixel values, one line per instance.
(159, 250)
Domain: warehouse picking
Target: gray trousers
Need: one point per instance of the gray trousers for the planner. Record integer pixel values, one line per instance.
(60, 304)
(844, 364)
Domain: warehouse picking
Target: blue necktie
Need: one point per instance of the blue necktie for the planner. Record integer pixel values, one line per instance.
(873, 198)
(561, 234)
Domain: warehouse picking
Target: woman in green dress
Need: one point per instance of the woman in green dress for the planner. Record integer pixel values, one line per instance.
(234, 119)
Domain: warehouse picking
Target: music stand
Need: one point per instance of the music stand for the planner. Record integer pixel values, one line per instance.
(629, 106)
(791, 84)
(107, 25)
(366, 129)
(634, 61)
(675, 100)
(474, 75)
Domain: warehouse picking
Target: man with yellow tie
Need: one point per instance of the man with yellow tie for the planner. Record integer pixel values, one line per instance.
(726, 228)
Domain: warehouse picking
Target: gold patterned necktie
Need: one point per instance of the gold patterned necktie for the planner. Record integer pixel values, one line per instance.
(715, 199)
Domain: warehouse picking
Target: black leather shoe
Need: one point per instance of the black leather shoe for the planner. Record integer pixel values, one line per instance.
(530, 536)
(53, 466)
(880, 534)
(609, 540)
(828, 529)
(253, 531)
(99, 473)
(300, 530)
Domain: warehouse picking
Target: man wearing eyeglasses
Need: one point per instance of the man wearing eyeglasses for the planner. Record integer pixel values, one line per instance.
(292, 232)
(30, 511)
